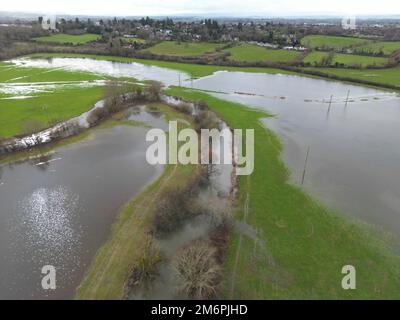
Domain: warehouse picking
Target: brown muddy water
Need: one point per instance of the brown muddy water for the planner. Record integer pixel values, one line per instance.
(58, 209)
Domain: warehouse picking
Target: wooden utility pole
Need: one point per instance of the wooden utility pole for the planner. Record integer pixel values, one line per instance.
(347, 99)
(305, 166)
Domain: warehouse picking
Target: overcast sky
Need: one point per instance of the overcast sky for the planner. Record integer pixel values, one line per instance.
(229, 7)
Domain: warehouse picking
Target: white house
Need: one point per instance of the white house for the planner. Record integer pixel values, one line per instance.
(49, 23)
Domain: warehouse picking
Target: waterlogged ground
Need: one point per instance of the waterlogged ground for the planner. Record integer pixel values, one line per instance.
(62, 206)
(58, 209)
(354, 158)
(107, 68)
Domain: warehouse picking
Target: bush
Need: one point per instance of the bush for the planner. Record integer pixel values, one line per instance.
(206, 120)
(171, 211)
(197, 270)
(153, 91)
(97, 114)
(146, 269)
(202, 105)
(175, 206)
(184, 108)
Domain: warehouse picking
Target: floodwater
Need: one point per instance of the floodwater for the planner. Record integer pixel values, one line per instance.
(354, 155)
(108, 68)
(58, 209)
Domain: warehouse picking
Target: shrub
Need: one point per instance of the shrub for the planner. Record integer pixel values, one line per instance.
(171, 211)
(184, 108)
(96, 115)
(146, 269)
(153, 91)
(206, 120)
(202, 105)
(197, 270)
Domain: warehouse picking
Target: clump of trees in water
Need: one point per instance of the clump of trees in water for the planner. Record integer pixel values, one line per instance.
(177, 205)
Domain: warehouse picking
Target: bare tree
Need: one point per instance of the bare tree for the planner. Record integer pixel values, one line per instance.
(197, 270)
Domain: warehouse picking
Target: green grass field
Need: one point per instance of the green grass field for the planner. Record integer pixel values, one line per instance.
(305, 245)
(389, 76)
(387, 47)
(183, 49)
(57, 103)
(254, 53)
(332, 42)
(67, 38)
(315, 57)
(356, 60)
(45, 109)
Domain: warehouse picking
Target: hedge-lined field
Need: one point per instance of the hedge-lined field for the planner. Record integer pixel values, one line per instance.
(183, 49)
(385, 47)
(254, 53)
(317, 57)
(332, 42)
(67, 38)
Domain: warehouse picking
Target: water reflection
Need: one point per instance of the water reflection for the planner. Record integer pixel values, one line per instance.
(57, 209)
(109, 68)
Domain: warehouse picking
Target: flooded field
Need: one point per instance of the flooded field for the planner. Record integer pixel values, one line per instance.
(58, 209)
(354, 158)
(109, 68)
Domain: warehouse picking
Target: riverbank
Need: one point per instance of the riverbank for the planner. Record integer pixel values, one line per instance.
(300, 246)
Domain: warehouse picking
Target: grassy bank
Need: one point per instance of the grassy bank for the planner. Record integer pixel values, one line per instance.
(305, 245)
(110, 270)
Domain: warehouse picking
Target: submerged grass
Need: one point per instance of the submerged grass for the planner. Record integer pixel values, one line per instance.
(45, 109)
(302, 245)
(194, 70)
